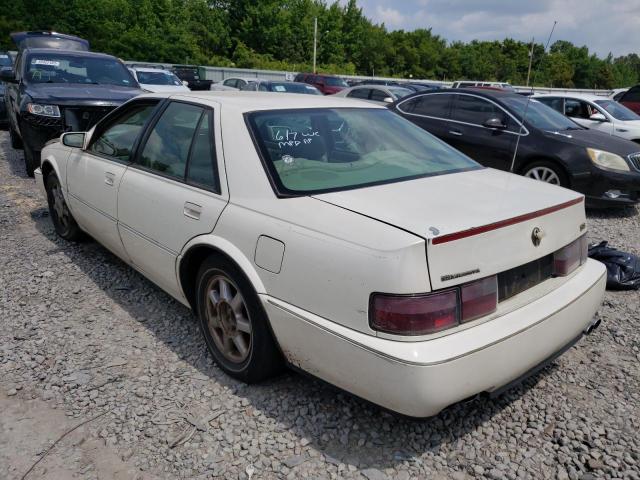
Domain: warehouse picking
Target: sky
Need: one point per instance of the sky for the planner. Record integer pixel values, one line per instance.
(603, 26)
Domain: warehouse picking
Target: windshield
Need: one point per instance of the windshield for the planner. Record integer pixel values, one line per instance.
(60, 68)
(5, 60)
(335, 82)
(539, 115)
(158, 78)
(617, 110)
(400, 92)
(321, 149)
(294, 88)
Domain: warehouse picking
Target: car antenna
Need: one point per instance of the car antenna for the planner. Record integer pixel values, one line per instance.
(526, 106)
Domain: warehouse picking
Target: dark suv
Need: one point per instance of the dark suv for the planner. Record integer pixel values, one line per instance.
(57, 86)
(327, 84)
(487, 125)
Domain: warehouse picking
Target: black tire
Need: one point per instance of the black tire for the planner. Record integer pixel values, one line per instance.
(63, 222)
(16, 142)
(263, 358)
(541, 165)
(31, 160)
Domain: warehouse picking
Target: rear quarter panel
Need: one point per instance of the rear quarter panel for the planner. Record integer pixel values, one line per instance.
(333, 259)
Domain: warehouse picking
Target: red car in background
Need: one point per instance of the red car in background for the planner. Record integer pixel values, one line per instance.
(631, 99)
(327, 84)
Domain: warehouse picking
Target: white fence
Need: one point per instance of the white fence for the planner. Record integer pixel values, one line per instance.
(217, 74)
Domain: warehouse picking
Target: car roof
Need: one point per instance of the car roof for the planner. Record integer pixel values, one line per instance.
(246, 79)
(248, 101)
(48, 39)
(284, 82)
(482, 92)
(149, 69)
(69, 53)
(582, 96)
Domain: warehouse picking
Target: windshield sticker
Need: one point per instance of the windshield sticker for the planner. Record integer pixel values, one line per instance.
(52, 63)
(279, 88)
(288, 159)
(290, 138)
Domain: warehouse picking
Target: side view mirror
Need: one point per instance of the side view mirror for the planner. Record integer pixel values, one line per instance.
(73, 139)
(598, 117)
(185, 83)
(8, 74)
(495, 123)
(387, 100)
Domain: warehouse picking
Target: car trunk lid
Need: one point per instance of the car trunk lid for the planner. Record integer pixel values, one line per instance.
(475, 223)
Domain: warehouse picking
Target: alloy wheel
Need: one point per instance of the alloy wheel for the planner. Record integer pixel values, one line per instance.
(59, 207)
(228, 319)
(544, 174)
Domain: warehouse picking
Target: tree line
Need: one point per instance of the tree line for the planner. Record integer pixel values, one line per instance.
(278, 34)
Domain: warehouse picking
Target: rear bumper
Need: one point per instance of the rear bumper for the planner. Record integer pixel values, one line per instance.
(419, 379)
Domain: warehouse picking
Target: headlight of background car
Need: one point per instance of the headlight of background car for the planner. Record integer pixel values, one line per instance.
(44, 110)
(608, 160)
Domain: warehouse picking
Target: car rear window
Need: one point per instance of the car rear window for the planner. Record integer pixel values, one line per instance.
(321, 150)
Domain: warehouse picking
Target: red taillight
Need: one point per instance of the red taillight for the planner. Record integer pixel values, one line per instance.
(567, 259)
(433, 312)
(414, 315)
(479, 298)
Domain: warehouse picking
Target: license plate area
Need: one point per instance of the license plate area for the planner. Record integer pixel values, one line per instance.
(517, 280)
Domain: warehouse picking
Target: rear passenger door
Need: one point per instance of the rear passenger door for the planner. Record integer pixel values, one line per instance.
(172, 192)
(557, 103)
(491, 147)
(430, 111)
(359, 93)
(231, 82)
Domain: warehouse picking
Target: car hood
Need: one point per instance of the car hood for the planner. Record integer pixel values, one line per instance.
(79, 94)
(441, 208)
(595, 139)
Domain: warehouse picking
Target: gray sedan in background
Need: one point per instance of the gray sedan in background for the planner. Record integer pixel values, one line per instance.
(380, 94)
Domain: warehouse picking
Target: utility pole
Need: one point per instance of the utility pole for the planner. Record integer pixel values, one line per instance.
(315, 39)
(530, 61)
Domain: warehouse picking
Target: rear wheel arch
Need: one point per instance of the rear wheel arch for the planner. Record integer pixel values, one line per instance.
(195, 255)
(558, 164)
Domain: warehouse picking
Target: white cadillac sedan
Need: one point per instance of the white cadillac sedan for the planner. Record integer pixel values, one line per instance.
(333, 236)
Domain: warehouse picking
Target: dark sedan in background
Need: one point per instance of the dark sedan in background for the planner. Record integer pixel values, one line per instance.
(486, 124)
(59, 86)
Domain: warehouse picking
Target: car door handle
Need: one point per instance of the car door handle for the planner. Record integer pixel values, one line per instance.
(457, 133)
(109, 178)
(192, 210)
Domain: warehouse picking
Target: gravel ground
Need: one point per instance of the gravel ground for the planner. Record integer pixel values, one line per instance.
(83, 334)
